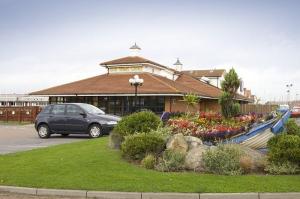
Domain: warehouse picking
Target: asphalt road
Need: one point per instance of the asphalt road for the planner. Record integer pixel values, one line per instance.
(15, 138)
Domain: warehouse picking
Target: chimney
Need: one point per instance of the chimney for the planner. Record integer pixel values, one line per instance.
(245, 91)
(241, 85)
(135, 49)
(178, 65)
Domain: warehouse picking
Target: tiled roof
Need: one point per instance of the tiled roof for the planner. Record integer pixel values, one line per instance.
(205, 73)
(114, 84)
(201, 87)
(118, 84)
(204, 89)
(133, 60)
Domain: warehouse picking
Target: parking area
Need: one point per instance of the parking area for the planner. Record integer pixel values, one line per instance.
(15, 138)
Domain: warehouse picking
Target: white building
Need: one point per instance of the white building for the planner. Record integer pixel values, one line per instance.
(212, 76)
(22, 100)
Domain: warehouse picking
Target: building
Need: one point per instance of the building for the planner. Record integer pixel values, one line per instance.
(8, 100)
(163, 88)
(212, 76)
(215, 77)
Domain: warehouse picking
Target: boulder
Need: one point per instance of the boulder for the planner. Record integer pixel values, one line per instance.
(193, 142)
(177, 143)
(193, 159)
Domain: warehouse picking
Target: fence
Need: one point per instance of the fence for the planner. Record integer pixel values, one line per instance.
(19, 114)
(257, 108)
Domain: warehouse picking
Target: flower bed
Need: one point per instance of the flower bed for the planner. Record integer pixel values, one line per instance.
(211, 126)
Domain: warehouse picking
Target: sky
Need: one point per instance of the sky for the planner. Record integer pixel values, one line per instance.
(51, 42)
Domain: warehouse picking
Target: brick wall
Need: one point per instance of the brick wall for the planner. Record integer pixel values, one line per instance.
(174, 104)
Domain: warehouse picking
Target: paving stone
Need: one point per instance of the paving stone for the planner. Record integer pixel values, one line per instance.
(229, 196)
(61, 192)
(23, 190)
(279, 195)
(9, 195)
(170, 196)
(113, 195)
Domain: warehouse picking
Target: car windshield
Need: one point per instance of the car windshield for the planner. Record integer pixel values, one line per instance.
(91, 109)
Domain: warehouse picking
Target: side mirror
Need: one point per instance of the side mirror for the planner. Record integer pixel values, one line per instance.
(83, 114)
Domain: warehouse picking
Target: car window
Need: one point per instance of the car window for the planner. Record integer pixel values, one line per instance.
(46, 110)
(73, 110)
(91, 109)
(58, 109)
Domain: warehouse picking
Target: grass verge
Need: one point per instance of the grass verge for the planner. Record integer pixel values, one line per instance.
(14, 123)
(91, 165)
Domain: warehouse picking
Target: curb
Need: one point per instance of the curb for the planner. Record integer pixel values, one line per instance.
(146, 195)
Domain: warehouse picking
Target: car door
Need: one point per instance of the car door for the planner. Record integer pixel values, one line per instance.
(57, 118)
(76, 121)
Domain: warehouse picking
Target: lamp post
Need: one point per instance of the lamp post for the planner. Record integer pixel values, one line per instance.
(289, 86)
(136, 81)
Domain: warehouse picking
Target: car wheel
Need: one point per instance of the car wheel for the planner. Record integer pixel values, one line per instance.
(65, 134)
(95, 131)
(43, 131)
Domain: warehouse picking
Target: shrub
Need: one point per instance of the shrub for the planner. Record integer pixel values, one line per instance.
(115, 140)
(236, 109)
(229, 86)
(149, 161)
(229, 108)
(225, 159)
(190, 100)
(246, 164)
(135, 147)
(164, 132)
(262, 164)
(171, 161)
(140, 122)
(282, 168)
(177, 114)
(284, 148)
(292, 128)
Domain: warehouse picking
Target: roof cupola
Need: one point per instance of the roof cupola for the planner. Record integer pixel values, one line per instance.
(135, 49)
(178, 65)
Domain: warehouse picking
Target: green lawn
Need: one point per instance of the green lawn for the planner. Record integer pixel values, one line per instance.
(91, 165)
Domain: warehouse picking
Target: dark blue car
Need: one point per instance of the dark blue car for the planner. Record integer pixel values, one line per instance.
(74, 118)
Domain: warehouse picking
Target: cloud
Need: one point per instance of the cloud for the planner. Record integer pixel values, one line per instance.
(59, 43)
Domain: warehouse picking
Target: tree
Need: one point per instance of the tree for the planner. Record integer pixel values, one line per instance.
(231, 82)
(229, 86)
(191, 100)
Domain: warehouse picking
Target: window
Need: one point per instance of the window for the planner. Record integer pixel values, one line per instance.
(46, 110)
(58, 109)
(73, 110)
(91, 109)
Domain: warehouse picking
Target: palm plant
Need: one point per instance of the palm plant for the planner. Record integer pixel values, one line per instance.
(190, 100)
